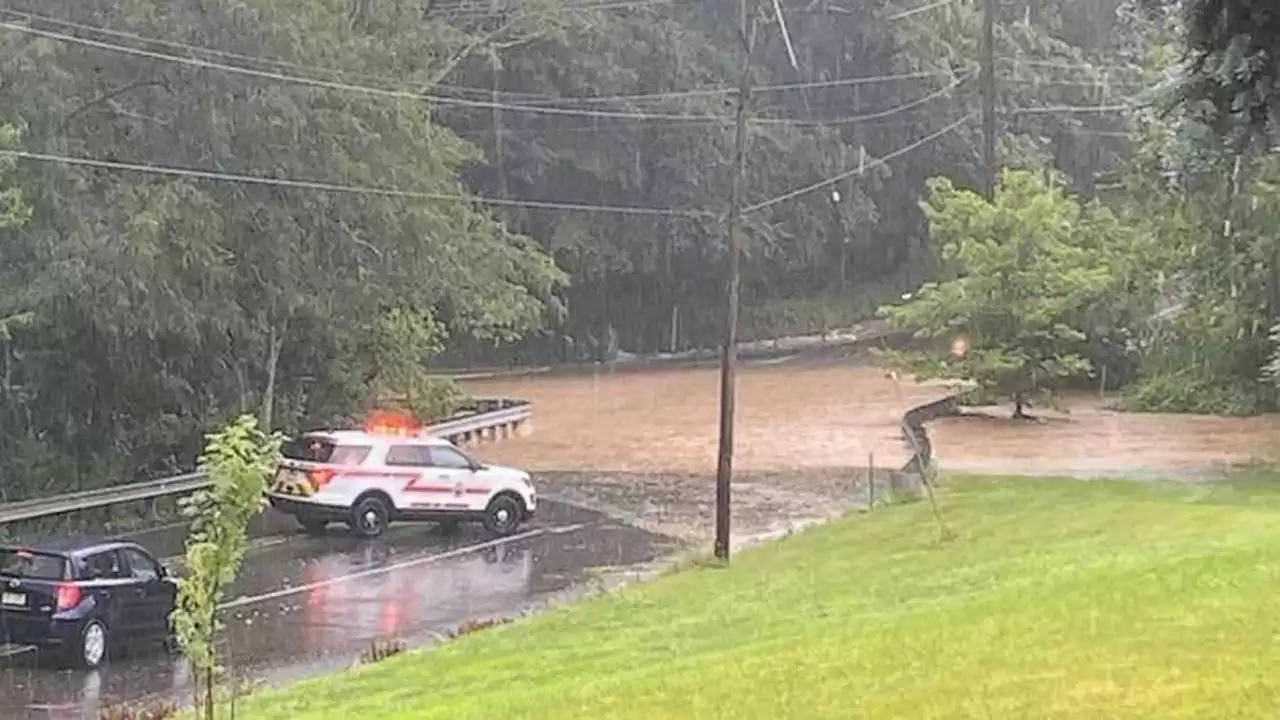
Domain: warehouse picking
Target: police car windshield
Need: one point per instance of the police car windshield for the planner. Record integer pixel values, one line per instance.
(35, 565)
(322, 450)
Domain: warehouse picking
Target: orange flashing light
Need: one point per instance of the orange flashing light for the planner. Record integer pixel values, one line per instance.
(385, 422)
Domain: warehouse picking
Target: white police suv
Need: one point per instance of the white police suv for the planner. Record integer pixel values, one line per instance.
(390, 472)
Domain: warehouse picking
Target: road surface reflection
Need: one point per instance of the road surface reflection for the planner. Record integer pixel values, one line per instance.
(314, 605)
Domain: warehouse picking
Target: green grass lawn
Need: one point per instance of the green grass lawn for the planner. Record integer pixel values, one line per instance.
(1055, 599)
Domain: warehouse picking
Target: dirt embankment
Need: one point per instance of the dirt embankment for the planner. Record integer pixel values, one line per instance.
(683, 506)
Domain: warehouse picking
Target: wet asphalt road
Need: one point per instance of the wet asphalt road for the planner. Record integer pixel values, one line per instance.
(307, 605)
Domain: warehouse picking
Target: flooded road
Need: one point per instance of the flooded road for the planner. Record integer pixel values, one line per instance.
(796, 418)
(1091, 440)
(789, 418)
(314, 604)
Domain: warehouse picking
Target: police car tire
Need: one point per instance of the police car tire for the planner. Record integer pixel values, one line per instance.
(493, 521)
(364, 506)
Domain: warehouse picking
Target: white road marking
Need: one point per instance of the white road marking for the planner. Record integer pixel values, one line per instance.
(425, 560)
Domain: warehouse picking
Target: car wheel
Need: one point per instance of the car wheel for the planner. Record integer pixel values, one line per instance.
(370, 517)
(91, 650)
(503, 515)
(313, 526)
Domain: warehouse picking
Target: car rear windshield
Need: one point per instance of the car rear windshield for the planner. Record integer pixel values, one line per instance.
(16, 562)
(322, 450)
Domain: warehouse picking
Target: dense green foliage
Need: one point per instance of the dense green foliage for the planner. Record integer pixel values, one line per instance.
(141, 308)
(1233, 54)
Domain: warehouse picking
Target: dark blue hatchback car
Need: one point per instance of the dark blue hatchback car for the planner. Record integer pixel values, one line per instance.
(81, 599)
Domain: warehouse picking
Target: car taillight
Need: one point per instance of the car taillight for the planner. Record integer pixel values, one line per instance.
(68, 597)
(320, 478)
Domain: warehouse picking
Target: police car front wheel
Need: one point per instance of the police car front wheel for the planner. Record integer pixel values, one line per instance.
(370, 516)
(503, 515)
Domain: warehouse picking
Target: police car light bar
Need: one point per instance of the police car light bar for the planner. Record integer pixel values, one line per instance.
(385, 422)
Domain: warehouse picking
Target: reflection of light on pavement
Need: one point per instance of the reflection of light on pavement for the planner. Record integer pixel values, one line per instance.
(181, 676)
(391, 617)
(91, 692)
(417, 598)
(316, 599)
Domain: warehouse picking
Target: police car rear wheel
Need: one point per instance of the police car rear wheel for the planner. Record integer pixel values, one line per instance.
(503, 515)
(370, 516)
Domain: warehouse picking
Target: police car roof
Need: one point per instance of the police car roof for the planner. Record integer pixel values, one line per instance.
(353, 437)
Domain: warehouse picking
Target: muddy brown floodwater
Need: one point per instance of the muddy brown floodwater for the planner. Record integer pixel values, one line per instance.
(1091, 440)
(640, 446)
(789, 419)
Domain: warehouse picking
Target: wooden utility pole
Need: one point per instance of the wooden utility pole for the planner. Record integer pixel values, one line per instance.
(989, 160)
(749, 14)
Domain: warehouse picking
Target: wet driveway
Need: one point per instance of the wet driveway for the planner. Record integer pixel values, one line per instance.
(315, 604)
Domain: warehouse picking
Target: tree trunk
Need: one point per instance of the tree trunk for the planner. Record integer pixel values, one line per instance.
(209, 708)
(675, 328)
(275, 343)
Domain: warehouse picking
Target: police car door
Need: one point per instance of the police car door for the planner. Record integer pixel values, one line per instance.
(456, 470)
(423, 490)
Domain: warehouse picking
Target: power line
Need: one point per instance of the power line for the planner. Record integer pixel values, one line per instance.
(861, 169)
(918, 10)
(870, 116)
(330, 85)
(700, 92)
(539, 99)
(1076, 109)
(346, 189)
(478, 11)
(1080, 67)
(228, 54)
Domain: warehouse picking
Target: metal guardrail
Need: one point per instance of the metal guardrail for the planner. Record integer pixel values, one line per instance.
(486, 414)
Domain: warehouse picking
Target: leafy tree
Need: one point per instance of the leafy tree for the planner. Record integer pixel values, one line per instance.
(403, 340)
(238, 459)
(163, 306)
(1024, 280)
(1233, 78)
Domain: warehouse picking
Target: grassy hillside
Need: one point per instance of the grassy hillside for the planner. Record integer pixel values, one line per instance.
(1054, 599)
